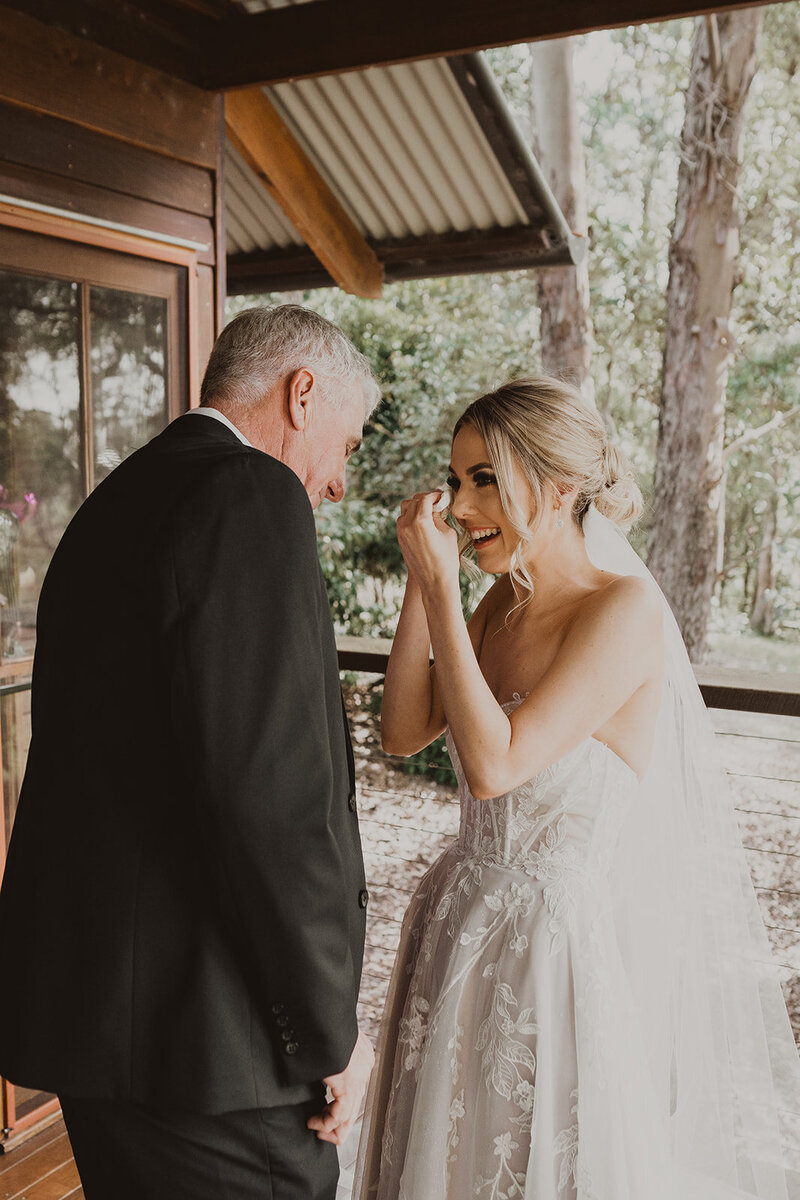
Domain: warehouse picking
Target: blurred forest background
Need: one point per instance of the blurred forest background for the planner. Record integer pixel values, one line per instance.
(652, 116)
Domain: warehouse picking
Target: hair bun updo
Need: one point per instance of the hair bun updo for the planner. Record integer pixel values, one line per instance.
(619, 498)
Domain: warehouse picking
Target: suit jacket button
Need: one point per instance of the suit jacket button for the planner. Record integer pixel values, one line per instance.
(282, 1022)
(363, 898)
(351, 802)
(276, 1008)
(291, 1047)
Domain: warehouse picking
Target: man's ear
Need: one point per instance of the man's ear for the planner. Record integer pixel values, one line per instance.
(300, 391)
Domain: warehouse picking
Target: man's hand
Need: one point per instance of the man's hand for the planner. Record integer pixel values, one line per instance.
(347, 1090)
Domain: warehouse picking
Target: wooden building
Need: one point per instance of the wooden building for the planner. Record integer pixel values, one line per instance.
(156, 154)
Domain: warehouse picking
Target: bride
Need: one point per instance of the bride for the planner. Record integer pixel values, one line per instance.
(582, 1006)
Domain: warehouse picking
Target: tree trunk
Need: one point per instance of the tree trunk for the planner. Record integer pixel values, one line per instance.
(705, 242)
(563, 292)
(762, 615)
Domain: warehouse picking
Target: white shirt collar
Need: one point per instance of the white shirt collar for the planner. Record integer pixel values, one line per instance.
(214, 412)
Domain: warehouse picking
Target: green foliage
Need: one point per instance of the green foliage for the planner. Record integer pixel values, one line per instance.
(434, 345)
(433, 761)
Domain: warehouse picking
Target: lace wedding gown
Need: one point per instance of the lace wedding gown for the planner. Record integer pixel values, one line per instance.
(510, 1065)
(583, 1004)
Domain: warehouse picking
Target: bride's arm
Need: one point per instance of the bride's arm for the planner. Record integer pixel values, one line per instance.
(412, 715)
(611, 650)
(411, 712)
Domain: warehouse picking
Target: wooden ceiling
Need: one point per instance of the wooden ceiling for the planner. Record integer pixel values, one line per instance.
(220, 45)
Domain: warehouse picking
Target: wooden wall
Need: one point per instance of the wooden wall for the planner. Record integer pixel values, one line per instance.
(86, 130)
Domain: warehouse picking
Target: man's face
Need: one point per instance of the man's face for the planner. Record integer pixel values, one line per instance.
(334, 434)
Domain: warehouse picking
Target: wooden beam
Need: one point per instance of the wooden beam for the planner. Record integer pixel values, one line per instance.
(269, 147)
(304, 40)
(722, 687)
(74, 229)
(293, 269)
(203, 44)
(83, 199)
(31, 139)
(51, 71)
(171, 42)
(475, 252)
(362, 654)
(750, 691)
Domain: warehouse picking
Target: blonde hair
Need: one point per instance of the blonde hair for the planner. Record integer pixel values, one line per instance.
(548, 429)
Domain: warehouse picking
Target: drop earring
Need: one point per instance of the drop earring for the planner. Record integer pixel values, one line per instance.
(559, 519)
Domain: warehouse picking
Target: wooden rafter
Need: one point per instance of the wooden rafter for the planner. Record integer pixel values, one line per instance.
(304, 40)
(402, 258)
(269, 147)
(218, 45)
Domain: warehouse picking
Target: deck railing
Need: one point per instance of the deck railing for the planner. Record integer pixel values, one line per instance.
(407, 820)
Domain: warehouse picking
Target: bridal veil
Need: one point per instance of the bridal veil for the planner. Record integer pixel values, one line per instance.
(721, 1050)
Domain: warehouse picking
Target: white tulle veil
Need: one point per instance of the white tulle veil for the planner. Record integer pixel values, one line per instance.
(719, 1041)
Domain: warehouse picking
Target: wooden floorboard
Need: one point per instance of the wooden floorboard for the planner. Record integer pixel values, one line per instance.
(30, 1146)
(41, 1169)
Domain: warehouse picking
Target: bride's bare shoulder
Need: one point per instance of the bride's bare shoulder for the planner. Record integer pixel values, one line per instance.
(625, 603)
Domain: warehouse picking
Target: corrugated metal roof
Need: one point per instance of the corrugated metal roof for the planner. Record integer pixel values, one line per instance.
(409, 152)
(398, 146)
(253, 220)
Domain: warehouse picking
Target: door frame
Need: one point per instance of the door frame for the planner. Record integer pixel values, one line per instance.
(103, 237)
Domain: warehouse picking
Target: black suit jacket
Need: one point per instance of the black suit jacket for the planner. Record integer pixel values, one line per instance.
(183, 906)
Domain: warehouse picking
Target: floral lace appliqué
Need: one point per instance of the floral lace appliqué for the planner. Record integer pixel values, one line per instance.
(457, 1111)
(506, 1061)
(506, 1183)
(413, 1030)
(567, 1144)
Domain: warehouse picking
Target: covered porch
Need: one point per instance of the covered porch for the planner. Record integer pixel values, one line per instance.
(158, 158)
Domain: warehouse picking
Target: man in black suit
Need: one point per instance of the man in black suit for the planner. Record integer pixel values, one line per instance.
(183, 907)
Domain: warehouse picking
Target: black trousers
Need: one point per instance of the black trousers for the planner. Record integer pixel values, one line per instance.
(127, 1151)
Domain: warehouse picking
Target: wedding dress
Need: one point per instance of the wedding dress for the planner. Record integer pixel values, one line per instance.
(582, 1005)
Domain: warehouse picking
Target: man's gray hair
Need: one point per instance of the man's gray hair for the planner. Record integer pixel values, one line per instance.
(264, 345)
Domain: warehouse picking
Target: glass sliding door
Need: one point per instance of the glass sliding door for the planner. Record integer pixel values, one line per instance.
(91, 367)
(93, 353)
(41, 473)
(129, 362)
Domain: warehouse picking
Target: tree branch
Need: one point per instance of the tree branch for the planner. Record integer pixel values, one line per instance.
(738, 562)
(714, 51)
(753, 435)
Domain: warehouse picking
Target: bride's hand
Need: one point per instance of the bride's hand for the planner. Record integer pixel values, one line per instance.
(429, 545)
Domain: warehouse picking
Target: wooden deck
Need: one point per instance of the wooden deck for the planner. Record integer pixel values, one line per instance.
(41, 1168)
